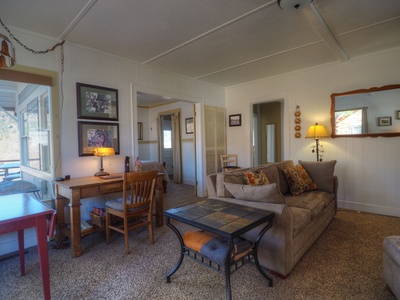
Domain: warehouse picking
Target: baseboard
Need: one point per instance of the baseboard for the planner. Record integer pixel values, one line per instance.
(374, 209)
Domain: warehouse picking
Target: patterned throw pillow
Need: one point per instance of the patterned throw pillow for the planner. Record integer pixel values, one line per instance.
(255, 179)
(298, 179)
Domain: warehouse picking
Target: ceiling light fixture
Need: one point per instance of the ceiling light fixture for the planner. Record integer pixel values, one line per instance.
(7, 52)
(293, 4)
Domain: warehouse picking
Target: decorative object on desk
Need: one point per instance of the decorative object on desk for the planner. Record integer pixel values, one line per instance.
(126, 163)
(140, 131)
(102, 152)
(189, 125)
(317, 132)
(138, 165)
(96, 102)
(235, 120)
(385, 121)
(297, 121)
(92, 135)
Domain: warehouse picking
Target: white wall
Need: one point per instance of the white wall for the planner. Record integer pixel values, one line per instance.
(368, 168)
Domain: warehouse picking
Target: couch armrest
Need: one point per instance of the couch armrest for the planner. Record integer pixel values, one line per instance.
(211, 183)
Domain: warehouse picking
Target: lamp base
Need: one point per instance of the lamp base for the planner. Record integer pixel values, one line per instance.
(101, 173)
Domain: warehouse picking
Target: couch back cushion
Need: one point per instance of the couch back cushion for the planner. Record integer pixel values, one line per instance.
(321, 173)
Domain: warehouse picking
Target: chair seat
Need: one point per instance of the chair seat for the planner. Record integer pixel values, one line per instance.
(118, 204)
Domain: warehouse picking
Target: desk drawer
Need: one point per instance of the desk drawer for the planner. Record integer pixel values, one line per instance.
(111, 187)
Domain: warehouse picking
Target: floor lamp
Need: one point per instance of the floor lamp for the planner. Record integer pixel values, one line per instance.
(317, 132)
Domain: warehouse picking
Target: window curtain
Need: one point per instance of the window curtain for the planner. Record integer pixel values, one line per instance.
(176, 140)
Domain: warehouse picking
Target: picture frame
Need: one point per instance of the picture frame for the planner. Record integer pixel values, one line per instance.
(189, 125)
(96, 102)
(398, 115)
(385, 121)
(140, 131)
(235, 120)
(92, 135)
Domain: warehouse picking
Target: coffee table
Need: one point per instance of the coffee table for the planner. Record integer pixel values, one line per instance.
(226, 220)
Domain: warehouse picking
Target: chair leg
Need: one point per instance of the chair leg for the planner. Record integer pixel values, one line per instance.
(126, 233)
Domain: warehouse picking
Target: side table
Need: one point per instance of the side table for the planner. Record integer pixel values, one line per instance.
(227, 221)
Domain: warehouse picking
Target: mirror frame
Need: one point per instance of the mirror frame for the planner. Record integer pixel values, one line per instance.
(361, 91)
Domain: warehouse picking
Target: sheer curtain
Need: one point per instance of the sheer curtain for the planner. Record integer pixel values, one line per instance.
(176, 140)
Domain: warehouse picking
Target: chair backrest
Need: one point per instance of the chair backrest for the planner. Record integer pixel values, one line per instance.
(228, 160)
(138, 190)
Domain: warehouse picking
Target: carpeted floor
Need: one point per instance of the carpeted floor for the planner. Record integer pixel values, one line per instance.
(344, 263)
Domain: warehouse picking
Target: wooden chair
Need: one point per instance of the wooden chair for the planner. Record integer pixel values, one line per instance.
(135, 208)
(228, 162)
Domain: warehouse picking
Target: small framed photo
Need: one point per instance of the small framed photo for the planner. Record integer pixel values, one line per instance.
(235, 120)
(385, 121)
(398, 115)
(96, 102)
(140, 130)
(92, 135)
(189, 125)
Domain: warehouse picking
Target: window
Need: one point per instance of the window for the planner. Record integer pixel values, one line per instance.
(35, 130)
(167, 139)
(352, 121)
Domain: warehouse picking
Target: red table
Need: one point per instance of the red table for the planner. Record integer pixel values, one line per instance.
(21, 211)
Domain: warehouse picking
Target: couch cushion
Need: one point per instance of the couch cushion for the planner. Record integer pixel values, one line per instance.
(270, 170)
(321, 173)
(315, 201)
(255, 178)
(264, 193)
(301, 218)
(298, 179)
(283, 184)
(232, 177)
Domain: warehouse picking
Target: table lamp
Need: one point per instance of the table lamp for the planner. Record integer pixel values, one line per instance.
(316, 132)
(102, 152)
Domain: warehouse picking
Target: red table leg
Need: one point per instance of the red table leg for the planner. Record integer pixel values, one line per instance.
(41, 232)
(21, 250)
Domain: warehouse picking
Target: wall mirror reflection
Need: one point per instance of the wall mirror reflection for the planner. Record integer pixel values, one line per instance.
(367, 112)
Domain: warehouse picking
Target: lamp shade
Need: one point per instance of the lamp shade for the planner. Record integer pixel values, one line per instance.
(293, 4)
(103, 151)
(7, 52)
(316, 132)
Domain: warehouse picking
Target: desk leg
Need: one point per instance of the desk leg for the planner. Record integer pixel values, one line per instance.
(160, 202)
(75, 211)
(41, 233)
(59, 205)
(21, 249)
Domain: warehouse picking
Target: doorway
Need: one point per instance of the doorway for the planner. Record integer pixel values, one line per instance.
(267, 132)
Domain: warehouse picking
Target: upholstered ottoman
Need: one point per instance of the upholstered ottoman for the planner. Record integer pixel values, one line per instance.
(391, 263)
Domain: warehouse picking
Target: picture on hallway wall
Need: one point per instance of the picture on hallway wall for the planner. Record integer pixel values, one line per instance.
(385, 121)
(235, 120)
(96, 102)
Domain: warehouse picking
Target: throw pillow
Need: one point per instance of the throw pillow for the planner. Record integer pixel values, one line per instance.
(255, 179)
(298, 179)
(263, 193)
(321, 173)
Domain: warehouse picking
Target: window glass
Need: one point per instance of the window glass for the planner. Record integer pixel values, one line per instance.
(167, 139)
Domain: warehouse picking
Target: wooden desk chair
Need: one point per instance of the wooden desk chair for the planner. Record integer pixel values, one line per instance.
(135, 207)
(228, 162)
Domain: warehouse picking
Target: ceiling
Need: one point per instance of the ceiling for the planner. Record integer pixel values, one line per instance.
(224, 42)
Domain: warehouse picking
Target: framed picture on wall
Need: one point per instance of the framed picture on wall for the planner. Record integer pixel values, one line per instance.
(385, 121)
(96, 102)
(189, 125)
(235, 120)
(92, 135)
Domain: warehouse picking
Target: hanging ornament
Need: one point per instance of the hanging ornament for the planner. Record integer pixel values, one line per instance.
(297, 121)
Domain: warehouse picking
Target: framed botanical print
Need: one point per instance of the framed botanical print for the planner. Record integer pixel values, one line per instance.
(96, 102)
(92, 135)
(189, 125)
(235, 120)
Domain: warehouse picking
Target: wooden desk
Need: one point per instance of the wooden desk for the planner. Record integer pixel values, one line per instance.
(76, 189)
(21, 211)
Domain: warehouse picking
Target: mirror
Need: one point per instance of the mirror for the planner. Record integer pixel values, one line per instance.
(366, 113)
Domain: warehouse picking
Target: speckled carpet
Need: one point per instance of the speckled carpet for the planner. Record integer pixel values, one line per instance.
(344, 263)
